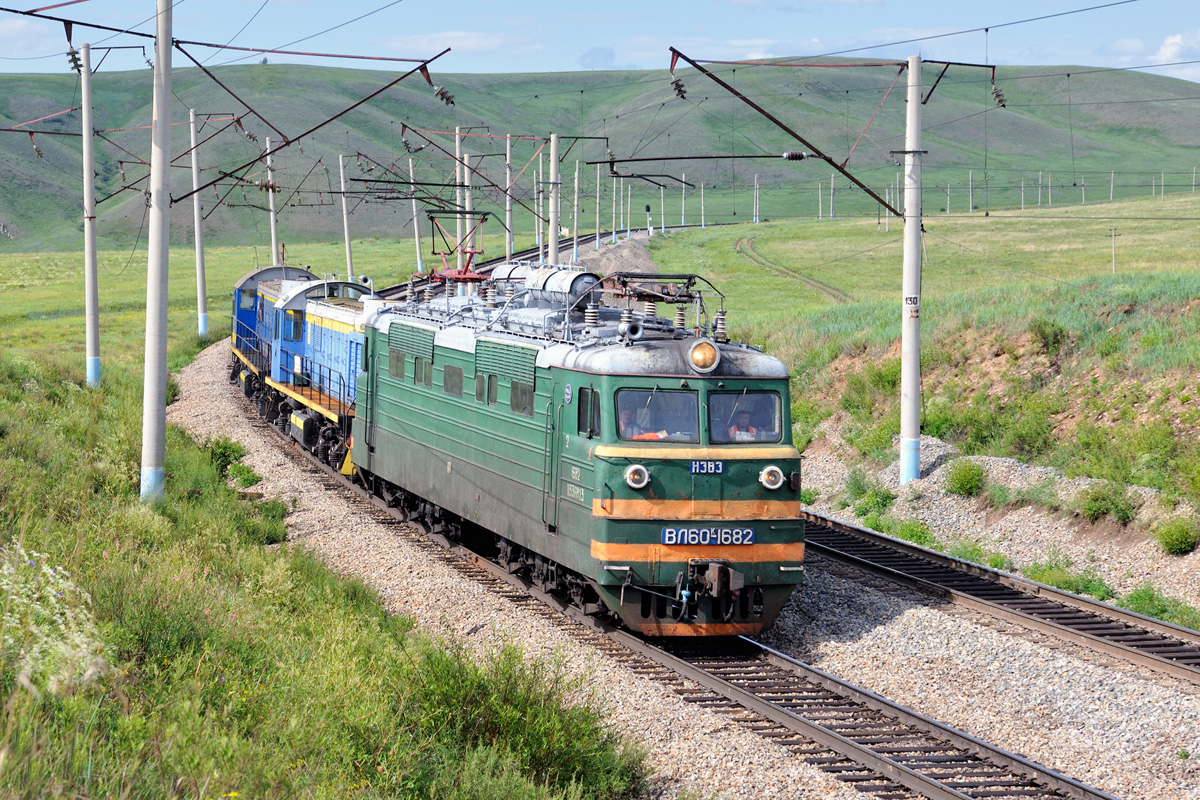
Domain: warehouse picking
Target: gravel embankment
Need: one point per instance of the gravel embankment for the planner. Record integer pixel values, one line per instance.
(1071, 711)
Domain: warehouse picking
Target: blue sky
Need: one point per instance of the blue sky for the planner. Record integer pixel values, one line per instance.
(542, 36)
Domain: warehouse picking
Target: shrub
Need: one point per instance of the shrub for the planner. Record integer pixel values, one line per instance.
(1057, 571)
(910, 530)
(966, 478)
(877, 500)
(856, 484)
(1049, 333)
(1148, 601)
(1177, 536)
(244, 476)
(998, 495)
(808, 496)
(224, 452)
(1107, 499)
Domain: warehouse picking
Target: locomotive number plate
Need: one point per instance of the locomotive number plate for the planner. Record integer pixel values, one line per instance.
(708, 467)
(708, 536)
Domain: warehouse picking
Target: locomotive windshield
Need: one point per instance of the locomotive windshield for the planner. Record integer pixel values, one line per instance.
(644, 415)
(744, 417)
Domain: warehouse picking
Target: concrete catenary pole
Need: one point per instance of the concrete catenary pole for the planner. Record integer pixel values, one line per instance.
(275, 259)
(597, 206)
(412, 179)
(509, 245)
(198, 225)
(682, 200)
(910, 323)
(458, 196)
(662, 210)
(154, 385)
(346, 218)
(552, 240)
(91, 283)
(702, 205)
(575, 219)
(468, 202)
(614, 212)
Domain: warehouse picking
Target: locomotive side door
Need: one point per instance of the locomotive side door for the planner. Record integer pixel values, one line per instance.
(552, 458)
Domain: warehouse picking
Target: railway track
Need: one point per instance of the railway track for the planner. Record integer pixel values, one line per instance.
(880, 748)
(1131, 637)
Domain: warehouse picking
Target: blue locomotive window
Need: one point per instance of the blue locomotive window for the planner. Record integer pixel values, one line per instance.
(293, 325)
(246, 298)
(521, 398)
(649, 415)
(396, 364)
(452, 380)
(744, 417)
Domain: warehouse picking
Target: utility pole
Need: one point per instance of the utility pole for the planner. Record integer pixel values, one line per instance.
(91, 283)
(1023, 194)
(346, 217)
(754, 208)
(832, 178)
(820, 200)
(198, 224)
(575, 219)
(662, 210)
(910, 322)
(554, 179)
(970, 191)
(275, 259)
(508, 220)
(682, 202)
(702, 225)
(1114, 234)
(597, 206)
(629, 212)
(412, 179)
(154, 382)
(468, 203)
(458, 196)
(614, 212)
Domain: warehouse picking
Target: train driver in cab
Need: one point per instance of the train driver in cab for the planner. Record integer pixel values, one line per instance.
(627, 423)
(741, 430)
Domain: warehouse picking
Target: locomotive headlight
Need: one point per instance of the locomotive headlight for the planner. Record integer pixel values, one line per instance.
(771, 477)
(704, 356)
(637, 476)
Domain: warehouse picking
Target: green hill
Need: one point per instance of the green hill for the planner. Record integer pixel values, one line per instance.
(1080, 132)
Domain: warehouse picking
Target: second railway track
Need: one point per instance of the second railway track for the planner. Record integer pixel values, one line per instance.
(1143, 641)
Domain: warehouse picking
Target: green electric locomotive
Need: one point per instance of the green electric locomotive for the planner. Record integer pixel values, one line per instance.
(641, 464)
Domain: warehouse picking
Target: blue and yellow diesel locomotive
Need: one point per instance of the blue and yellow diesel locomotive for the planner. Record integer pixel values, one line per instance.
(641, 465)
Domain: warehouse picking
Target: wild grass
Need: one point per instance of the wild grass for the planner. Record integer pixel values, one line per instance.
(1177, 536)
(1058, 571)
(1148, 601)
(966, 478)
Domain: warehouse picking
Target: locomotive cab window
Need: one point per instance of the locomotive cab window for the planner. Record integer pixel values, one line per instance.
(744, 417)
(589, 412)
(293, 325)
(246, 298)
(653, 415)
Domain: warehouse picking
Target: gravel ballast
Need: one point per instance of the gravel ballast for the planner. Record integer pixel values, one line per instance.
(1068, 709)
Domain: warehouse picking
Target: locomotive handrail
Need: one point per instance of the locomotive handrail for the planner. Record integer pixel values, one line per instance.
(313, 376)
(247, 341)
